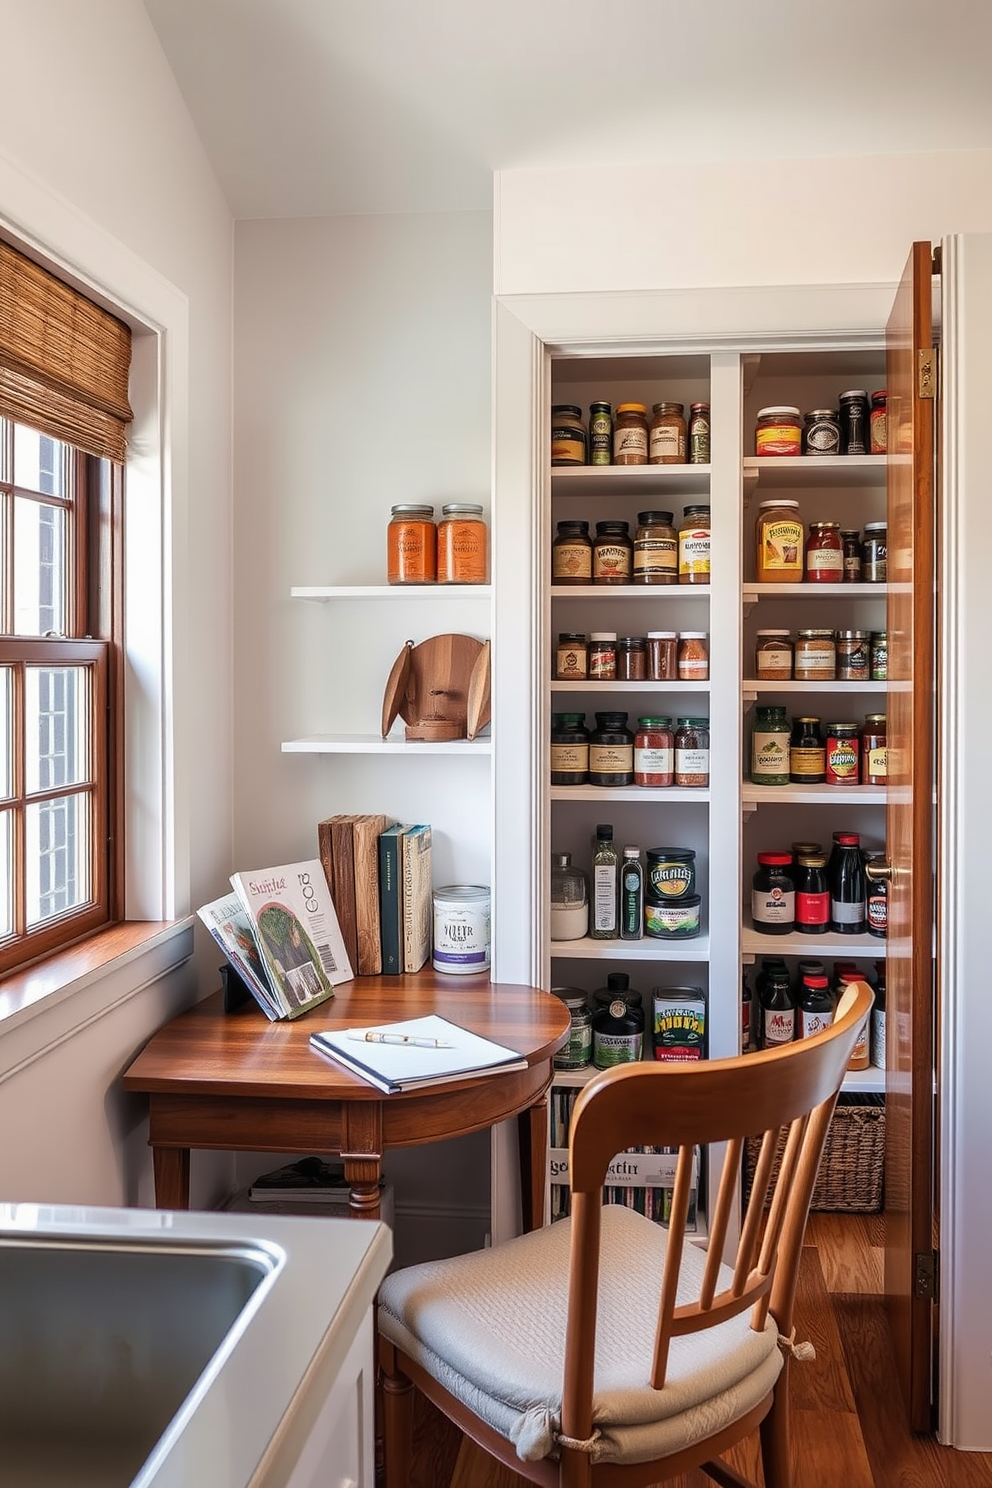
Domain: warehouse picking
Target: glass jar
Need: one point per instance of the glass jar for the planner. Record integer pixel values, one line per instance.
(843, 754)
(812, 895)
(778, 431)
(699, 434)
(662, 655)
(878, 437)
(815, 656)
(569, 904)
(773, 656)
(854, 433)
(618, 1030)
(612, 553)
(879, 656)
(654, 752)
(630, 434)
(632, 665)
(694, 656)
(778, 542)
(656, 549)
(824, 554)
(611, 751)
(571, 657)
(411, 545)
(692, 752)
(773, 894)
(874, 765)
(670, 874)
(770, 747)
(569, 749)
(571, 554)
(569, 441)
(603, 656)
(694, 545)
(853, 656)
(600, 434)
(851, 543)
(667, 435)
(462, 545)
(821, 432)
(807, 753)
(874, 559)
(577, 1052)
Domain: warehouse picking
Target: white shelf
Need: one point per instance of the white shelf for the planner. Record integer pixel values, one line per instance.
(870, 1081)
(753, 592)
(373, 744)
(646, 949)
(751, 686)
(587, 685)
(853, 947)
(407, 592)
(642, 480)
(787, 472)
(812, 795)
(628, 793)
(633, 591)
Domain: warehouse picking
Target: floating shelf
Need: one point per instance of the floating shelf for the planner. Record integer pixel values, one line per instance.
(641, 793)
(632, 591)
(812, 795)
(600, 480)
(646, 949)
(407, 592)
(373, 744)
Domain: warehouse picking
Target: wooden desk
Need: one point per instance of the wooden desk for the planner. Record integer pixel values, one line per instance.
(235, 1082)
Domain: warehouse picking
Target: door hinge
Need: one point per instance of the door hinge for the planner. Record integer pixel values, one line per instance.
(925, 1274)
(926, 372)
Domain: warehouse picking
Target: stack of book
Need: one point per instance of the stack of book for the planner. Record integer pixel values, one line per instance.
(379, 875)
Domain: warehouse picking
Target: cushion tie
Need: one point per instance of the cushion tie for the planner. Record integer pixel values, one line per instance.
(576, 1444)
(799, 1351)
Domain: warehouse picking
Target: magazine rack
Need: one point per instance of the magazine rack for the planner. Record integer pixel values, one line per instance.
(440, 688)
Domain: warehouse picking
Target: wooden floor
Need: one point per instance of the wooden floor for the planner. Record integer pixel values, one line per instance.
(847, 1418)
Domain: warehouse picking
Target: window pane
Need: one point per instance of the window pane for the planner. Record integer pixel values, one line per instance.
(41, 463)
(58, 856)
(6, 726)
(6, 876)
(56, 724)
(40, 542)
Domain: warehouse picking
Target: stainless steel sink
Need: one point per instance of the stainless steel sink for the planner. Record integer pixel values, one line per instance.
(102, 1342)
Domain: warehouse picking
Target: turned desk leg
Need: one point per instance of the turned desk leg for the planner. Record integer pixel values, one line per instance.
(171, 1168)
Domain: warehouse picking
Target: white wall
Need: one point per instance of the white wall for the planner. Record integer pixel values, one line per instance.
(99, 164)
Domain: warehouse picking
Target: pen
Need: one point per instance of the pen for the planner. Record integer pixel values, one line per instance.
(370, 1036)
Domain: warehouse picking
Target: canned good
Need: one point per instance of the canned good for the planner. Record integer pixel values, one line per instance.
(670, 874)
(854, 433)
(821, 432)
(679, 1023)
(461, 929)
(843, 754)
(677, 919)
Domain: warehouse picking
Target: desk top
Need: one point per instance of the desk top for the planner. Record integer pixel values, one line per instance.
(206, 1051)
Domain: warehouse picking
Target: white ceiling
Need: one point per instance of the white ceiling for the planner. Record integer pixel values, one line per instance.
(324, 107)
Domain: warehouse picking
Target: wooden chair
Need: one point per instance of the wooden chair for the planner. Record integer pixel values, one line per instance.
(688, 1348)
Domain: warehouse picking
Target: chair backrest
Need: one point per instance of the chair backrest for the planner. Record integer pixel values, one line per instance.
(786, 1094)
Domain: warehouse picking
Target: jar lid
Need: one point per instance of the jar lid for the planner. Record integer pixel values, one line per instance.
(694, 635)
(655, 722)
(562, 720)
(824, 526)
(777, 501)
(847, 839)
(662, 635)
(623, 527)
(678, 408)
(699, 407)
(602, 635)
(567, 408)
(687, 511)
(850, 532)
(775, 859)
(633, 408)
(875, 717)
(880, 635)
(571, 637)
(644, 518)
(879, 393)
(839, 728)
(816, 635)
(672, 854)
(853, 393)
(462, 508)
(412, 510)
(820, 413)
(805, 718)
(702, 723)
(637, 642)
(572, 525)
(772, 632)
(875, 527)
(599, 407)
(813, 860)
(777, 409)
(852, 635)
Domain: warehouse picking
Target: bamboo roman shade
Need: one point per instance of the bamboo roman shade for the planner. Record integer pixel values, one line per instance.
(64, 361)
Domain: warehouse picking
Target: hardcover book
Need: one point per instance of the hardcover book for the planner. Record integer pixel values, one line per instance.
(297, 932)
(335, 845)
(418, 904)
(366, 833)
(391, 899)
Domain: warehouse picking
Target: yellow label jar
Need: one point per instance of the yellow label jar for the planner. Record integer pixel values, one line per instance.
(778, 542)
(694, 545)
(778, 431)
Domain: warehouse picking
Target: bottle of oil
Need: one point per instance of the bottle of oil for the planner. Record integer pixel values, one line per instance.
(631, 895)
(605, 887)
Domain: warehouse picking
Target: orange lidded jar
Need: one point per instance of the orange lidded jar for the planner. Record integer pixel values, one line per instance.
(462, 544)
(778, 431)
(411, 545)
(778, 542)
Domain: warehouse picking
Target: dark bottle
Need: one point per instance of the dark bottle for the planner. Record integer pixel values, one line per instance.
(807, 753)
(878, 900)
(816, 1005)
(777, 1006)
(569, 749)
(611, 751)
(631, 895)
(812, 895)
(848, 885)
(745, 1016)
(877, 1038)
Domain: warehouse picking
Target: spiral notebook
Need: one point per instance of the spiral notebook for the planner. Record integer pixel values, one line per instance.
(398, 1067)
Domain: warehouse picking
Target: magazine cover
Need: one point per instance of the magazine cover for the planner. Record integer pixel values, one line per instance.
(231, 928)
(297, 931)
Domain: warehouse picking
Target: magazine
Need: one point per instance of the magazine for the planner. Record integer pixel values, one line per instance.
(296, 931)
(231, 928)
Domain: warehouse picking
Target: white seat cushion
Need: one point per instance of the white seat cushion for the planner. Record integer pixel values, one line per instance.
(490, 1327)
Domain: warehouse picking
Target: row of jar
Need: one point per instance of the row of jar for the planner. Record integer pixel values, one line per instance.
(629, 899)
(779, 1008)
(801, 752)
(857, 426)
(422, 551)
(660, 656)
(631, 438)
(821, 655)
(657, 553)
(810, 892)
(829, 554)
(660, 753)
(608, 1028)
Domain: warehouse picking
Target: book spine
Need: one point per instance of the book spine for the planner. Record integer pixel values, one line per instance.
(343, 886)
(416, 897)
(368, 829)
(390, 903)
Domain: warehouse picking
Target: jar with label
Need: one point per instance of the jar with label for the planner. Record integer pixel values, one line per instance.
(874, 751)
(611, 751)
(654, 752)
(618, 1031)
(600, 434)
(807, 753)
(851, 543)
(770, 747)
(569, 903)
(462, 929)
(612, 553)
(773, 656)
(569, 749)
(571, 657)
(816, 1005)
(878, 896)
(670, 874)
(656, 549)
(812, 894)
(692, 752)
(853, 656)
(878, 422)
(411, 545)
(699, 434)
(854, 432)
(577, 1052)
(776, 1008)
(821, 432)
(630, 434)
(675, 919)
(569, 441)
(571, 554)
(778, 542)
(824, 554)
(694, 545)
(773, 894)
(462, 544)
(667, 435)
(815, 656)
(603, 656)
(662, 655)
(632, 665)
(878, 655)
(877, 1037)
(874, 556)
(778, 431)
(694, 656)
(843, 754)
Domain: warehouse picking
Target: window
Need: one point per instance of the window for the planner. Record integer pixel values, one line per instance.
(61, 588)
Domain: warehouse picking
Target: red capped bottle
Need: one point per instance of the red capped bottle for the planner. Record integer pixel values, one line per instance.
(848, 886)
(812, 895)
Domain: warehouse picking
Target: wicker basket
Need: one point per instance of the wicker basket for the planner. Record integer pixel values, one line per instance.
(850, 1176)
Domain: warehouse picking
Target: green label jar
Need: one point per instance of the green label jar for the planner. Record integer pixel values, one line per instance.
(617, 1033)
(770, 747)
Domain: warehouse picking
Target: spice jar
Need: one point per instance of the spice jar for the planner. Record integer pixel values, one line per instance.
(778, 542)
(821, 432)
(462, 545)
(632, 659)
(662, 650)
(874, 765)
(699, 434)
(824, 554)
(667, 435)
(693, 659)
(569, 900)
(694, 545)
(773, 656)
(569, 749)
(874, 559)
(854, 433)
(577, 1052)
(879, 656)
(654, 752)
(815, 656)
(656, 549)
(600, 434)
(611, 751)
(843, 754)
(807, 753)
(878, 438)
(851, 544)
(569, 443)
(853, 656)
(770, 747)
(630, 434)
(612, 553)
(773, 894)
(411, 545)
(571, 554)
(603, 656)
(571, 657)
(778, 431)
(692, 752)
